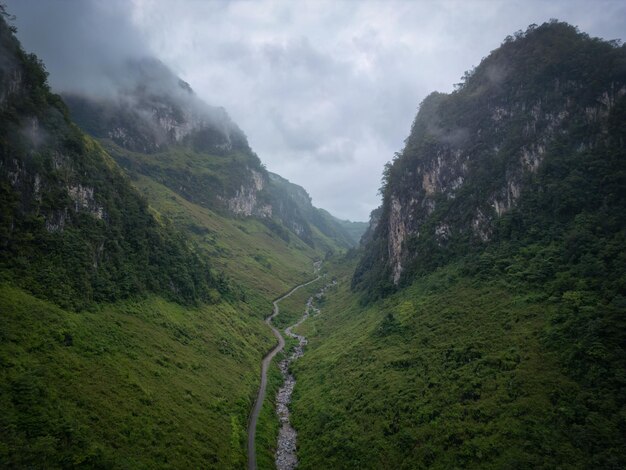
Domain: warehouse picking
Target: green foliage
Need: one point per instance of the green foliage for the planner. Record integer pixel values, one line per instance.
(503, 348)
(206, 167)
(142, 384)
(556, 89)
(132, 380)
(74, 230)
(464, 369)
(259, 264)
(268, 424)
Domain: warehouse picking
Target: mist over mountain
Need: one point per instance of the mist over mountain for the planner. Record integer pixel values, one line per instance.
(166, 301)
(325, 93)
(482, 163)
(118, 293)
(150, 108)
(154, 124)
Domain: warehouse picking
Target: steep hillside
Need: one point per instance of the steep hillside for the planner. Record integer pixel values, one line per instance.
(289, 199)
(486, 325)
(133, 384)
(155, 125)
(261, 259)
(73, 229)
(120, 346)
(529, 148)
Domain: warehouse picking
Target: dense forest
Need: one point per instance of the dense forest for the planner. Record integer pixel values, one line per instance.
(73, 229)
(131, 327)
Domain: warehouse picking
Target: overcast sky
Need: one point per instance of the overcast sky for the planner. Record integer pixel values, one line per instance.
(325, 91)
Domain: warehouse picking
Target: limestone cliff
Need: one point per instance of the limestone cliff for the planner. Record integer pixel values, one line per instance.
(72, 228)
(475, 155)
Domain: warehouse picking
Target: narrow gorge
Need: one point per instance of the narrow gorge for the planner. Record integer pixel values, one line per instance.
(286, 458)
(258, 404)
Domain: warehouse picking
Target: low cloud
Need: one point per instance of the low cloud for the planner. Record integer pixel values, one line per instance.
(325, 90)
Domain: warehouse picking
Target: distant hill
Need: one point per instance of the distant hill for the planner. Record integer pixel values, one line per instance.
(354, 229)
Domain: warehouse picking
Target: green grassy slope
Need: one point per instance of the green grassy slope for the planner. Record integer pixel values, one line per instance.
(137, 384)
(459, 371)
(500, 347)
(252, 254)
(259, 262)
(291, 310)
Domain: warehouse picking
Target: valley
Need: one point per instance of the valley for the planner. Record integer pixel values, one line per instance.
(166, 301)
(267, 360)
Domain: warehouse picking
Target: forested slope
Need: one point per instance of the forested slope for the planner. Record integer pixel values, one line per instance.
(484, 324)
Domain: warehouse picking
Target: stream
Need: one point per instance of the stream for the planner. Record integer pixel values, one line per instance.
(286, 458)
(258, 404)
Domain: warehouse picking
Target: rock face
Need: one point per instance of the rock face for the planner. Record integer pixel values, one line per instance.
(293, 205)
(149, 109)
(472, 155)
(153, 114)
(245, 201)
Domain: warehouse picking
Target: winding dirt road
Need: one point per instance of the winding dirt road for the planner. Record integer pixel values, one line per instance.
(258, 403)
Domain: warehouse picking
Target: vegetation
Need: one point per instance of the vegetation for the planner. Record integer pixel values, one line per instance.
(73, 229)
(268, 424)
(134, 384)
(258, 262)
(503, 344)
(463, 370)
(211, 166)
(120, 345)
(536, 127)
(293, 204)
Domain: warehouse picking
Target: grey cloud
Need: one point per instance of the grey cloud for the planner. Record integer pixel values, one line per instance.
(454, 137)
(81, 42)
(313, 84)
(337, 151)
(496, 73)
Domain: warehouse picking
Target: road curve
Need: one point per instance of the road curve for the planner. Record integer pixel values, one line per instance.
(258, 403)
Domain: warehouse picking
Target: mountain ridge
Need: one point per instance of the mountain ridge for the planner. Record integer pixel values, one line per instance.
(65, 197)
(481, 322)
(156, 125)
(490, 140)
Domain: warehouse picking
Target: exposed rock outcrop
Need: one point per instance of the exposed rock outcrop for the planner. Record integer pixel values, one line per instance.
(472, 155)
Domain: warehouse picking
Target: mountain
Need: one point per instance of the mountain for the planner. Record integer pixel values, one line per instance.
(530, 141)
(355, 229)
(155, 125)
(132, 318)
(289, 197)
(481, 324)
(74, 231)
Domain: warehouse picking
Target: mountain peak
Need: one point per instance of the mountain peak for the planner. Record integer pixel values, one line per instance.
(477, 156)
(152, 108)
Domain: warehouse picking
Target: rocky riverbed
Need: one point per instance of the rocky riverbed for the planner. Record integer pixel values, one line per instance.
(286, 458)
